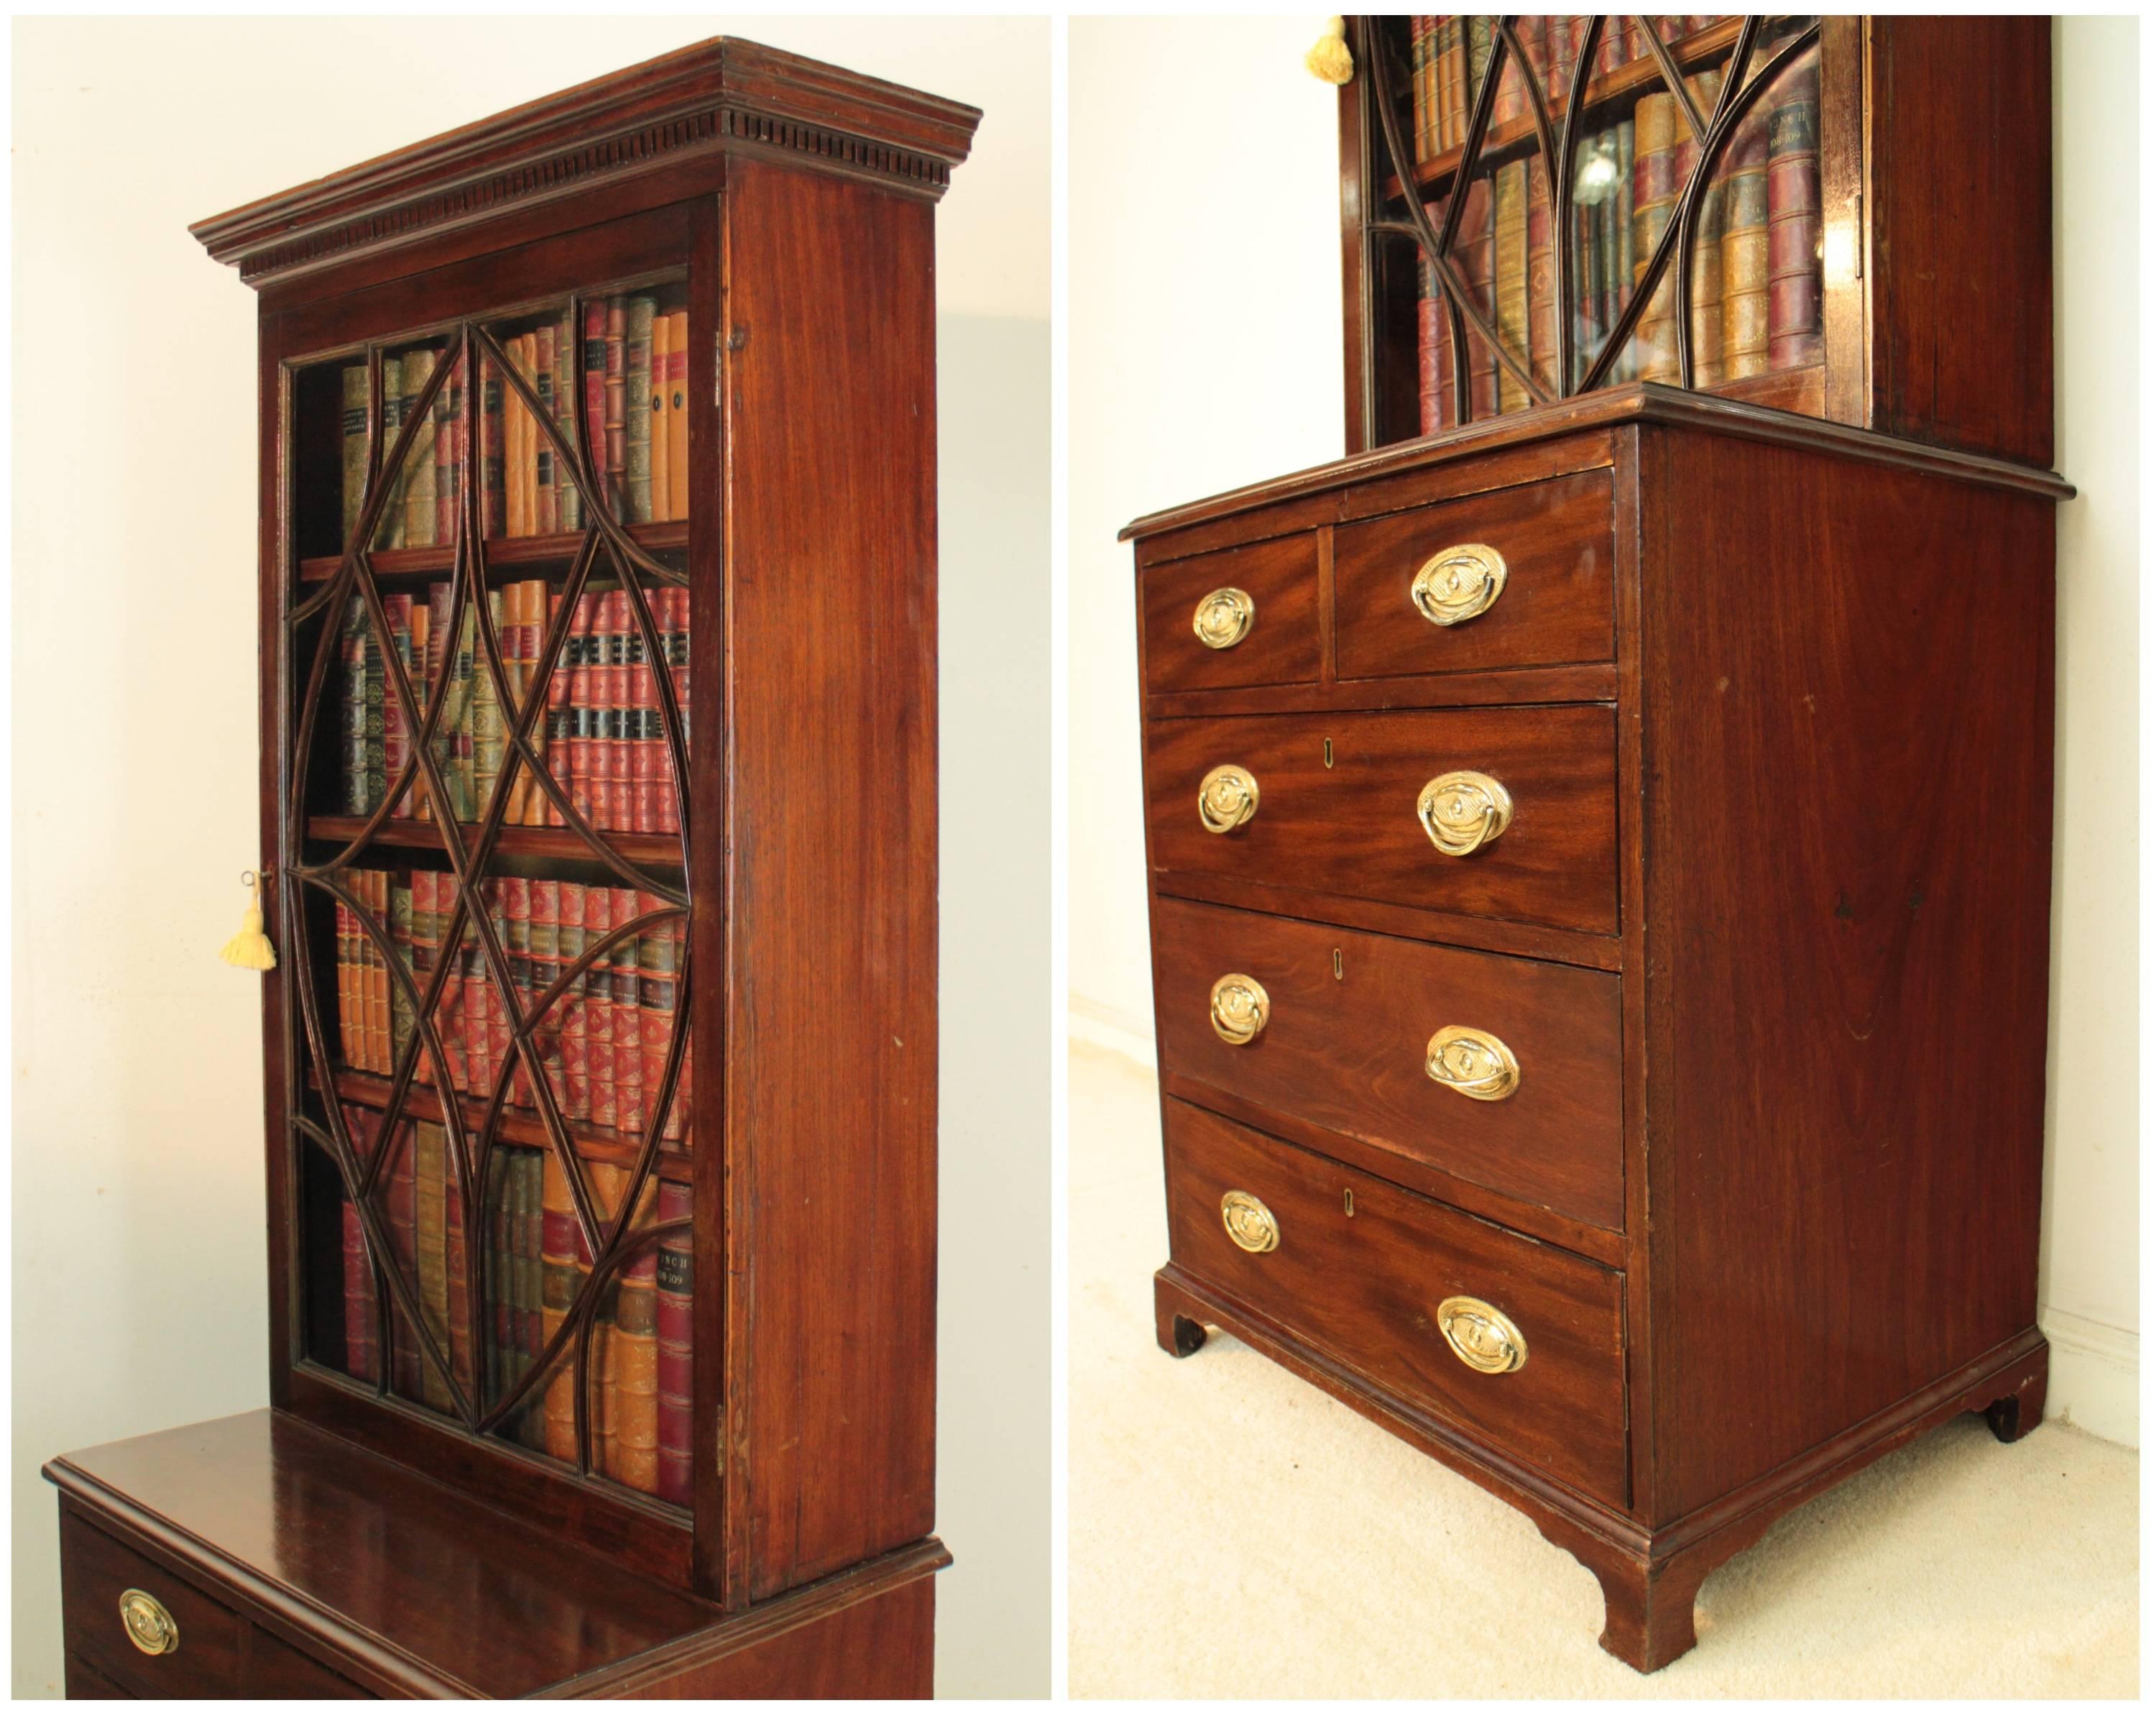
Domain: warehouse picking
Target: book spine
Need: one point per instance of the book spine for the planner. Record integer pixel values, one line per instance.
(598, 1009)
(595, 390)
(661, 452)
(1794, 335)
(516, 446)
(576, 1061)
(617, 420)
(423, 958)
(669, 608)
(359, 1348)
(448, 425)
(1419, 63)
(378, 782)
(673, 1285)
(561, 716)
(389, 521)
(487, 731)
(1621, 264)
(1563, 49)
(529, 1290)
(354, 397)
(623, 645)
(514, 671)
(569, 499)
(677, 416)
(493, 468)
(377, 998)
(1744, 337)
(1654, 196)
(456, 1262)
(657, 998)
(516, 951)
(353, 729)
(402, 1203)
(1478, 61)
(1477, 249)
(636, 365)
(480, 1060)
(635, 1374)
(395, 738)
(583, 642)
(401, 1014)
(419, 503)
(680, 601)
(628, 975)
(1430, 326)
(502, 1027)
(1532, 30)
(649, 740)
(344, 967)
(545, 959)
(503, 1343)
(603, 1402)
(433, 1225)
(545, 484)
(1541, 278)
(681, 1115)
(561, 1279)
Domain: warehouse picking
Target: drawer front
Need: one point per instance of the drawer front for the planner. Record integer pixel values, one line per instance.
(95, 1571)
(1269, 636)
(1556, 604)
(275, 1671)
(1353, 828)
(1350, 1021)
(1366, 1288)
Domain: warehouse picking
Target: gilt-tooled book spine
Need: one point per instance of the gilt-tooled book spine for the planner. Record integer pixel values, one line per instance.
(582, 645)
(674, 1284)
(561, 715)
(544, 961)
(400, 1007)
(396, 738)
(377, 997)
(1564, 34)
(678, 658)
(501, 1055)
(509, 635)
(1795, 338)
(359, 1350)
(617, 419)
(488, 734)
(532, 645)
(1744, 337)
(1419, 62)
(635, 1370)
(403, 1202)
(677, 414)
(561, 1277)
(389, 525)
(1534, 45)
(515, 471)
(516, 951)
(657, 997)
(421, 631)
(595, 390)
(418, 480)
(627, 1020)
(654, 408)
(352, 724)
(568, 501)
(679, 1116)
(1706, 368)
(1431, 356)
(575, 1060)
(545, 495)
(464, 1359)
(645, 743)
(478, 1015)
(636, 372)
(1541, 278)
(607, 1183)
(501, 1347)
(353, 382)
(598, 1008)
(1448, 78)
(433, 1259)
(1654, 196)
(344, 968)
(449, 461)
(1477, 247)
(625, 646)
(493, 465)
(1478, 58)
(377, 728)
(424, 954)
(529, 1291)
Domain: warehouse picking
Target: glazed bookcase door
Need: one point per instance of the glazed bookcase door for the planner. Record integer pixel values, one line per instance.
(1541, 207)
(483, 877)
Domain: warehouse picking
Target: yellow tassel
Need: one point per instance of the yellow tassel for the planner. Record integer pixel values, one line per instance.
(249, 949)
(1329, 60)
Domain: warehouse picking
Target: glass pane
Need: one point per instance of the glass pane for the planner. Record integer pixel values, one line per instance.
(516, 1317)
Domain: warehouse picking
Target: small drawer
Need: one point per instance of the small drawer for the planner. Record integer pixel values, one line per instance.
(1524, 1099)
(1334, 805)
(1521, 577)
(200, 1639)
(1246, 615)
(1372, 1276)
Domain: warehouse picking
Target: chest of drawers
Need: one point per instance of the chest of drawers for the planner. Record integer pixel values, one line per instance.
(1600, 877)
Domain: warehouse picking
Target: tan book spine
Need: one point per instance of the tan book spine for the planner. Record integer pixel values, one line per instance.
(677, 414)
(662, 491)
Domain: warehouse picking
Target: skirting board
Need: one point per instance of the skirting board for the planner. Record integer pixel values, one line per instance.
(2096, 1376)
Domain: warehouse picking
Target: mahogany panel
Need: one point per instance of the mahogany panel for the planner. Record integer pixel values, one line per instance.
(1350, 1019)
(85, 1682)
(1556, 607)
(1280, 578)
(1849, 815)
(1351, 828)
(94, 1570)
(1365, 1284)
(275, 1671)
(830, 1034)
(879, 1648)
(1596, 681)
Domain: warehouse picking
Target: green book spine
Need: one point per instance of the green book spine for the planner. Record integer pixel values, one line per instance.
(488, 734)
(1512, 240)
(418, 476)
(636, 365)
(568, 498)
(529, 1293)
(400, 1007)
(377, 776)
(355, 448)
(389, 527)
(354, 730)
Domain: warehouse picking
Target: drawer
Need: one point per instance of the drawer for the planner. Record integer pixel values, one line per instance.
(95, 1571)
(1349, 1020)
(1264, 619)
(1369, 1288)
(276, 1671)
(1353, 828)
(1554, 603)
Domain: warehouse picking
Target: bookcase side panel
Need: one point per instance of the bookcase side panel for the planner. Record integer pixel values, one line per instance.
(831, 1026)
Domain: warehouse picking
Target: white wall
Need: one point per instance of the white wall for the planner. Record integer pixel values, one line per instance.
(1204, 352)
(138, 1250)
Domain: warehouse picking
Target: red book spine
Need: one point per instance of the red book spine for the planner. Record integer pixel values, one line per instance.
(598, 1008)
(595, 402)
(657, 996)
(627, 1020)
(457, 1265)
(620, 711)
(644, 749)
(544, 513)
(617, 392)
(586, 754)
(561, 716)
(1794, 336)
(516, 913)
(493, 469)
(448, 459)
(680, 1114)
(576, 1061)
(479, 1018)
(424, 931)
(396, 740)
(404, 1246)
(676, 1346)
(546, 965)
(378, 995)
(449, 1014)
(359, 1348)
(1430, 351)
(500, 1058)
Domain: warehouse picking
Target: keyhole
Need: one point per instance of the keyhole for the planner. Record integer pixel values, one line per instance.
(1329, 752)
(1347, 1200)
(1338, 974)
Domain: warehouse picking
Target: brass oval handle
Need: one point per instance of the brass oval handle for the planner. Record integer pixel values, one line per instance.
(1250, 1223)
(1227, 797)
(1481, 1336)
(1473, 1063)
(1458, 584)
(1241, 1008)
(1464, 811)
(1224, 618)
(149, 1626)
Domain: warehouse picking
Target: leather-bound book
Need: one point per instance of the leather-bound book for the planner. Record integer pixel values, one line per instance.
(1563, 42)
(515, 891)
(503, 1346)
(1542, 277)
(607, 1184)
(432, 1225)
(488, 732)
(657, 997)
(673, 1283)
(1452, 83)
(354, 418)
(1654, 198)
(396, 737)
(636, 370)
(1511, 266)
(400, 1204)
(421, 893)
(377, 973)
(516, 446)
(598, 1008)
(514, 672)
(400, 1007)
(352, 732)
(544, 478)
(1419, 84)
(377, 784)
(389, 521)
(417, 476)
(568, 498)
(468, 671)
(359, 1347)
(449, 453)
(595, 388)
(625, 647)
(617, 419)
(456, 1261)
(679, 1116)
(1476, 39)
(543, 960)
(1628, 362)
(655, 408)
(677, 416)
(478, 989)
(1706, 365)
(502, 1058)
(534, 630)
(1476, 249)
(1433, 359)
(560, 723)
(346, 1052)
(1511, 91)
(627, 973)
(678, 599)
(1533, 33)
(1744, 250)
(563, 1270)
(1794, 335)
(493, 467)
(439, 643)
(576, 1062)
(583, 663)
(421, 629)
(646, 741)
(528, 1288)
(635, 1373)
(1610, 54)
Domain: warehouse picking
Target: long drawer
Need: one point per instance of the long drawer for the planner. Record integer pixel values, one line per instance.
(1356, 804)
(1502, 1070)
(1405, 1291)
(132, 1621)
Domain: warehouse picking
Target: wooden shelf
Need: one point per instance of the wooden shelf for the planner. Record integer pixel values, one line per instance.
(517, 1125)
(645, 849)
(504, 553)
(1691, 53)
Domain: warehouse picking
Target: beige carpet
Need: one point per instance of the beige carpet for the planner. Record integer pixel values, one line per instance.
(1236, 1532)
